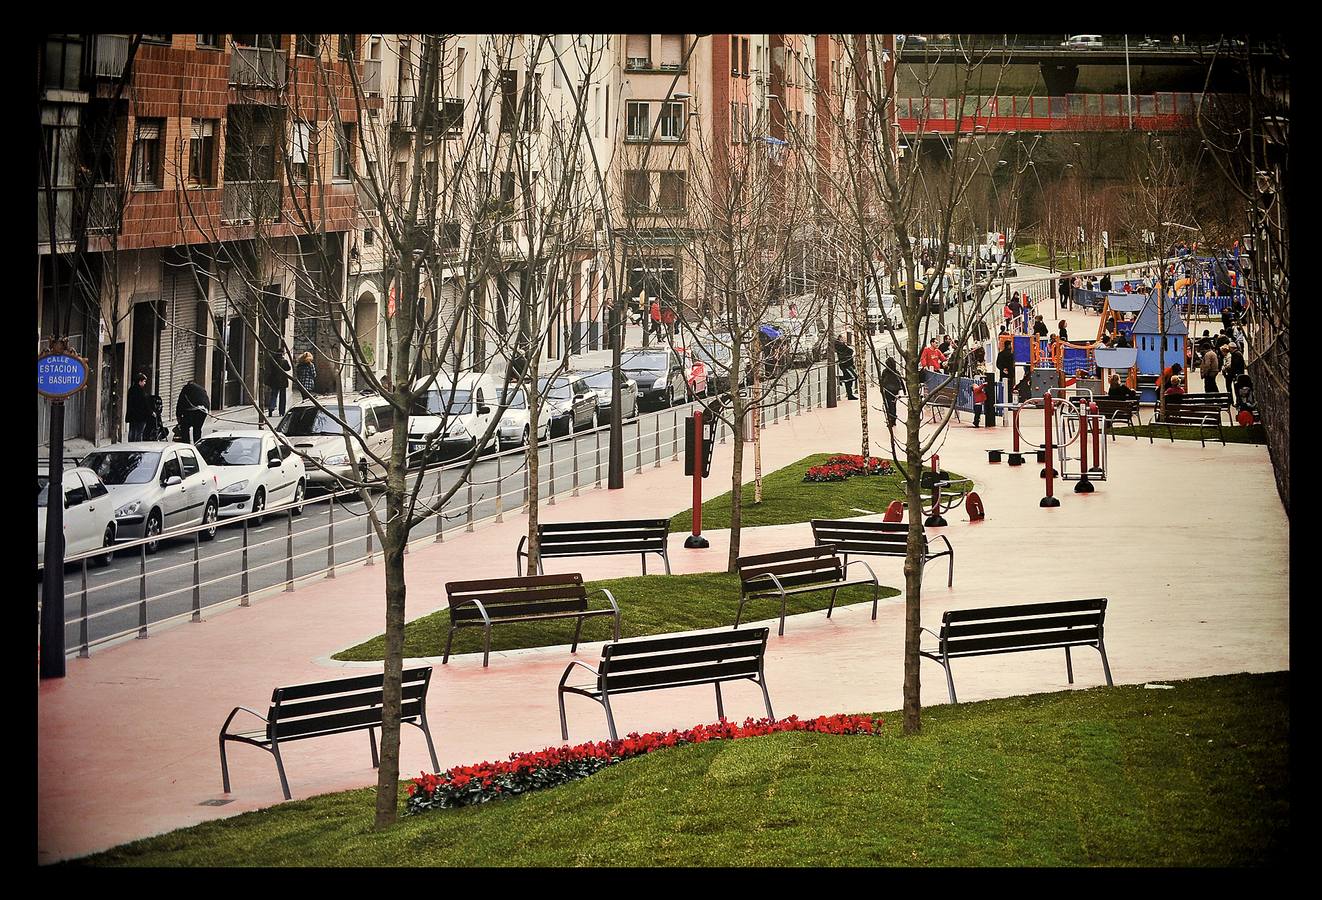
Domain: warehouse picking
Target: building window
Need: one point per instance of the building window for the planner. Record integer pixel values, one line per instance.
(638, 191)
(369, 237)
(638, 51)
(301, 140)
(734, 54)
(148, 153)
(308, 45)
(157, 38)
(431, 184)
(672, 121)
(344, 153)
(672, 51)
(202, 153)
(209, 41)
(734, 123)
(62, 66)
(250, 144)
(673, 190)
(348, 46)
(743, 59)
(533, 111)
(509, 99)
(639, 121)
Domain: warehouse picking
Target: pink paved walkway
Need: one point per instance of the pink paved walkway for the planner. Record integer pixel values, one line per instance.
(1189, 545)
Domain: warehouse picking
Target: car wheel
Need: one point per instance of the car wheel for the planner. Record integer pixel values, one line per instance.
(299, 490)
(107, 541)
(209, 516)
(152, 529)
(258, 505)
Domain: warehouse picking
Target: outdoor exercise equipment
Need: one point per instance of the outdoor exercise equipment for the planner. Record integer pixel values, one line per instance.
(894, 512)
(1049, 473)
(973, 506)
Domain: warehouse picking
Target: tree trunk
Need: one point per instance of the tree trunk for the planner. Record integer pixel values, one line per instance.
(737, 466)
(757, 421)
(533, 458)
(913, 556)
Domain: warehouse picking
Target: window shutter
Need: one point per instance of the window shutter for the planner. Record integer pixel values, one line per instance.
(148, 131)
(672, 49)
(302, 135)
(639, 46)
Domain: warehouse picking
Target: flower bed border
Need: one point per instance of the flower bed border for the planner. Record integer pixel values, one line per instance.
(524, 772)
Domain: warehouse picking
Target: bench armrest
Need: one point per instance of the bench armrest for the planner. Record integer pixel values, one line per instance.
(780, 587)
(480, 608)
(569, 668)
(942, 537)
(610, 598)
(930, 631)
(234, 712)
(859, 562)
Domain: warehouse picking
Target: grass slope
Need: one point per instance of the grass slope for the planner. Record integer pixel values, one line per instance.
(786, 498)
(649, 604)
(1194, 776)
(1252, 434)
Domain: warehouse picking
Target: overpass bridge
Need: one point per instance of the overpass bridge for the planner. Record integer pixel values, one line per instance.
(1165, 111)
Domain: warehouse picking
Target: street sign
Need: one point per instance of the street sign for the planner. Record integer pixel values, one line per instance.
(708, 443)
(60, 372)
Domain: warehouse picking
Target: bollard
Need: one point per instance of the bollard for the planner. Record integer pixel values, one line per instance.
(1084, 486)
(657, 437)
(243, 578)
(83, 652)
(370, 561)
(674, 435)
(500, 495)
(638, 445)
(1096, 439)
(1048, 473)
(574, 492)
(468, 526)
(439, 514)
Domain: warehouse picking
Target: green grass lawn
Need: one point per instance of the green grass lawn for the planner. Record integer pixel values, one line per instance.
(1193, 776)
(787, 498)
(652, 604)
(1039, 255)
(1237, 434)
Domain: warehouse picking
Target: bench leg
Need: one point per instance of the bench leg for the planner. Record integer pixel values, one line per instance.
(1069, 666)
(950, 682)
(644, 558)
(431, 748)
(224, 766)
(876, 596)
(371, 737)
(280, 767)
(1106, 666)
(564, 726)
(784, 599)
(448, 638)
(720, 707)
(831, 606)
(665, 558)
(766, 698)
(617, 626)
(740, 611)
(578, 629)
(486, 644)
(518, 564)
(610, 718)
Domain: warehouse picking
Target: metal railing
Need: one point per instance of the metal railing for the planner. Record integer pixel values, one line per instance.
(259, 566)
(250, 201)
(257, 67)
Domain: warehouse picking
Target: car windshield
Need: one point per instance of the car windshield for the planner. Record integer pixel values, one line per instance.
(231, 451)
(124, 466)
(557, 389)
(653, 362)
(516, 400)
(436, 402)
(308, 421)
(713, 353)
(600, 381)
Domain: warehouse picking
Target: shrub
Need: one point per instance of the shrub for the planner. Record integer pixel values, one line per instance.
(842, 466)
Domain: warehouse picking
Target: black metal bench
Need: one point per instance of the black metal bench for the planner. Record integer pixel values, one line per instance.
(1117, 411)
(941, 398)
(1220, 400)
(524, 599)
(685, 660)
(1196, 415)
(800, 571)
(876, 539)
(1014, 629)
(626, 536)
(329, 707)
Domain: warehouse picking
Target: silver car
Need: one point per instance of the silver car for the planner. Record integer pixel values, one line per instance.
(157, 487)
(600, 382)
(89, 515)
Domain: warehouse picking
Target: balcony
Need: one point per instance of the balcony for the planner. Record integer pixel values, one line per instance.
(103, 209)
(638, 62)
(110, 54)
(258, 67)
(250, 202)
(446, 119)
(372, 77)
(63, 215)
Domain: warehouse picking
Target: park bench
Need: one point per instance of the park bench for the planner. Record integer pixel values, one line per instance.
(943, 397)
(800, 571)
(1220, 400)
(1197, 415)
(1015, 629)
(1117, 411)
(626, 536)
(876, 539)
(329, 707)
(671, 661)
(525, 599)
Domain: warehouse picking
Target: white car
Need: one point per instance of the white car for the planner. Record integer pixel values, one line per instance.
(463, 406)
(514, 427)
(89, 515)
(157, 487)
(1083, 42)
(317, 437)
(256, 471)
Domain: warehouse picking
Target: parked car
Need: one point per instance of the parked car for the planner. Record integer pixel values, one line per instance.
(601, 382)
(317, 436)
(89, 515)
(514, 427)
(660, 376)
(157, 487)
(463, 406)
(717, 353)
(569, 404)
(806, 342)
(695, 372)
(1083, 42)
(255, 470)
(881, 311)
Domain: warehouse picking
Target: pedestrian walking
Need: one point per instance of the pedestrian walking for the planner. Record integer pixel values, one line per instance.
(306, 373)
(891, 387)
(1063, 288)
(191, 410)
(794, 311)
(1209, 369)
(844, 360)
(979, 400)
(1227, 320)
(1105, 284)
(138, 409)
(1060, 329)
(277, 381)
(1234, 367)
(655, 315)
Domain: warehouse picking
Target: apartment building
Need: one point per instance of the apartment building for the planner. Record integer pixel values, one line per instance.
(192, 185)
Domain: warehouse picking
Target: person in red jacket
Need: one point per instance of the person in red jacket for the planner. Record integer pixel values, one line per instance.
(979, 400)
(932, 358)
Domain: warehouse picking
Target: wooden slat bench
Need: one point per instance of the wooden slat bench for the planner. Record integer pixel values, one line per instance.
(941, 398)
(329, 707)
(876, 539)
(1117, 411)
(1197, 415)
(1015, 629)
(525, 599)
(671, 661)
(1220, 400)
(800, 571)
(626, 536)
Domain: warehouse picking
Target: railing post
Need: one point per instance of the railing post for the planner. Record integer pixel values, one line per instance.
(674, 435)
(574, 492)
(330, 540)
(656, 435)
(83, 652)
(289, 550)
(243, 574)
(597, 486)
(370, 560)
(468, 526)
(440, 513)
(197, 585)
(142, 590)
(500, 495)
(550, 452)
(638, 445)
(527, 483)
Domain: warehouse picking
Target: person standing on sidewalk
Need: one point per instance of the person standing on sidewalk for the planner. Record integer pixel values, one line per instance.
(844, 360)
(306, 373)
(1209, 369)
(891, 387)
(1234, 367)
(192, 409)
(654, 312)
(277, 380)
(1063, 289)
(979, 400)
(139, 408)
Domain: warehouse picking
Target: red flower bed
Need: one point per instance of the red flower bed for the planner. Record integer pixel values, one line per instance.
(842, 466)
(523, 772)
